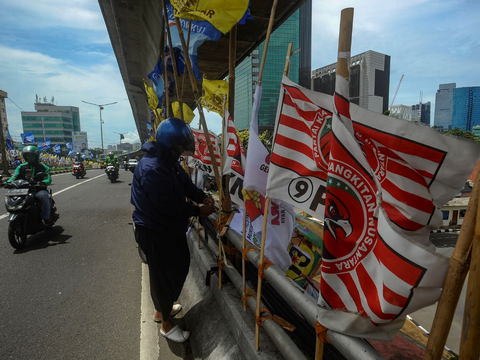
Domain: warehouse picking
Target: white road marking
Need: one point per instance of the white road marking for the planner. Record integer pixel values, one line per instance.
(149, 348)
(59, 192)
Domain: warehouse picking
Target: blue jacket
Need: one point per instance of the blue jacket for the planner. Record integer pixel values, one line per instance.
(159, 188)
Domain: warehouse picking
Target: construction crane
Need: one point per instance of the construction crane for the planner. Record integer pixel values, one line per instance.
(396, 92)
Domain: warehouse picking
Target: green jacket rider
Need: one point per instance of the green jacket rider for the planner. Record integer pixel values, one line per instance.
(31, 155)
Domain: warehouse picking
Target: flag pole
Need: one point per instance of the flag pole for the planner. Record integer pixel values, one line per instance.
(197, 97)
(343, 69)
(469, 344)
(457, 271)
(260, 274)
(267, 199)
(165, 78)
(172, 55)
(220, 201)
(244, 295)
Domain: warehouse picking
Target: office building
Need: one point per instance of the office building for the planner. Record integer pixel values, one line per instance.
(442, 118)
(369, 80)
(401, 112)
(421, 113)
(466, 107)
(49, 120)
(3, 112)
(297, 30)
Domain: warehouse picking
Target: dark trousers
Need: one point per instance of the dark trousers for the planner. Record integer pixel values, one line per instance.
(168, 264)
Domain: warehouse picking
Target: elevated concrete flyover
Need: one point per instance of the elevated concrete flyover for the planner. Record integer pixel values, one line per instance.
(136, 32)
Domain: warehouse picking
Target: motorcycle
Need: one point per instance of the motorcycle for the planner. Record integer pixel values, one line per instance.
(24, 208)
(112, 173)
(78, 170)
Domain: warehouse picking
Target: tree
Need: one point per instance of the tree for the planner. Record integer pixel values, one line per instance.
(265, 138)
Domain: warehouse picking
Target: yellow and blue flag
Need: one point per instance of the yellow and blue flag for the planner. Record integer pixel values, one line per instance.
(223, 14)
(200, 31)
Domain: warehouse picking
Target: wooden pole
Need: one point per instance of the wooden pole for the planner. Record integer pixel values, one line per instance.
(286, 70)
(244, 238)
(165, 79)
(259, 285)
(469, 342)
(221, 199)
(343, 69)
(172, 56)
(188, 46)
(267, 200)
(197, 97)
(457, 271)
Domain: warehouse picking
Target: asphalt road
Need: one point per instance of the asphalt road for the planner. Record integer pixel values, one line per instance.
(74, 292)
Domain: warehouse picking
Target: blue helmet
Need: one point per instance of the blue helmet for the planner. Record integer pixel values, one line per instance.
(175, 134)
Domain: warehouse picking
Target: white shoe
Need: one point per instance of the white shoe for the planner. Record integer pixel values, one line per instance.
(176, 334)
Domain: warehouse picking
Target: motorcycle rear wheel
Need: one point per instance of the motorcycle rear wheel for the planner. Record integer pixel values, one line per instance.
(77, 176)
(16, 239)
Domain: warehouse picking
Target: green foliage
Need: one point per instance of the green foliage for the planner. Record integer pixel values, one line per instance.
(266, 138)
(461, 133)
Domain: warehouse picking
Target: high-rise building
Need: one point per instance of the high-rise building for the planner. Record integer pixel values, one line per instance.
(3, 112)
(369, 80)
(442, 118)
(49, 120)
(421, 114)
(401, 112)
(466, 107)
(297, 30)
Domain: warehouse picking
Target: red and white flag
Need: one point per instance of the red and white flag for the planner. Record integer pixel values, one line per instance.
(376, 182)
(281, 216)
(201, 159)
(233, 160)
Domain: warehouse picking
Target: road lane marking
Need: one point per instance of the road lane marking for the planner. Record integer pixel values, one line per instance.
(149, 348)
(59, 192)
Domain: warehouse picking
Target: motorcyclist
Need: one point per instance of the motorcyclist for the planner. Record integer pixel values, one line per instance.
(79, 158)
(112, 160)
(31, 154)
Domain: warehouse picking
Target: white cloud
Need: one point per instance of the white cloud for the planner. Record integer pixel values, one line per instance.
(25, 74)
(81, 14)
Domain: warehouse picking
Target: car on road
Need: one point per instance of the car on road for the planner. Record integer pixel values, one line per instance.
(132, 164)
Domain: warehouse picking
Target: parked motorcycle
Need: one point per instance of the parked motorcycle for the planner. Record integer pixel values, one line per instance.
(24, 208)
(112, 173)
(78, 170)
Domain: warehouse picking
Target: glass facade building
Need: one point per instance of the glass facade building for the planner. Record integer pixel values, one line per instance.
(443, 106)
(296, 30)
(421, 113)
(56, 122)
(466, 107)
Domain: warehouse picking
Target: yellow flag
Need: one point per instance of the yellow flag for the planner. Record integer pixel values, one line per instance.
(188, 114)
(223, 14)
(214, 92)
(152, 96)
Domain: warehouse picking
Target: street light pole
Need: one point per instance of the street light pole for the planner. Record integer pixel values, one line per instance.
(101, 107)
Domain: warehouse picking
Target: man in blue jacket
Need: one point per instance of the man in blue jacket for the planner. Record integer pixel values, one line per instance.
(160, 187)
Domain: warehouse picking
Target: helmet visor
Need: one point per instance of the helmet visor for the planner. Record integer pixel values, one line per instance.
(183, 144)
(30, 158)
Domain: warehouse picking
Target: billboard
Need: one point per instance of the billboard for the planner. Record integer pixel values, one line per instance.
(80, 142)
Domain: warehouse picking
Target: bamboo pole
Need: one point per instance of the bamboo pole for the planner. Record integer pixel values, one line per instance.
(220, 199)
(165, 79)
(244, 238)
(188, 47)
(259, 285)
(343, 69)
(267, 200)
(172, 56)
(457, 271)
(286, 70)
(469, 344)
(197, 97)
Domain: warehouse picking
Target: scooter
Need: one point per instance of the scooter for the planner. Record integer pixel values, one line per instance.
(25, 210)
(112, 173)
(78, 170)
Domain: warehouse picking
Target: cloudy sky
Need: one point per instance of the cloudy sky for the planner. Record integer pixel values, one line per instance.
(61, 48)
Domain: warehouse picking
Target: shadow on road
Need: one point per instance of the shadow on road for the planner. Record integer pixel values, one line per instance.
(44, 239)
